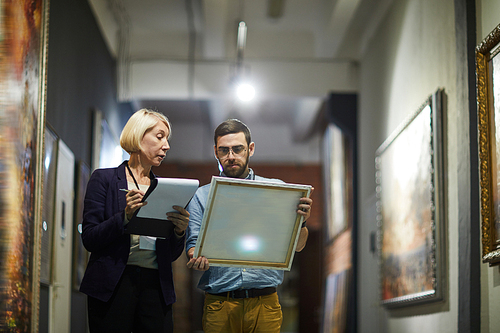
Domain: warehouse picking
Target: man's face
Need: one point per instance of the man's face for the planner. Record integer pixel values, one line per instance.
(233, 154)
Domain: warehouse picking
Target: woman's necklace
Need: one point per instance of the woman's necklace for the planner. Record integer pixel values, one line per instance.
(135, 181)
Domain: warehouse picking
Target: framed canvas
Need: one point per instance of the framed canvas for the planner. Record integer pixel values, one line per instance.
(410, 192)
(80, 254)
(49, 193)
(250, 223)
(335, 302)
(337, 170)
(488, 102)
(23, 58)
(106, 149)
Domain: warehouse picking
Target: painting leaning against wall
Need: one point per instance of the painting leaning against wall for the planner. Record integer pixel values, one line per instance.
(22, 102)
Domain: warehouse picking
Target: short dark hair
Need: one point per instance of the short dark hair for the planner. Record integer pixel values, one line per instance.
(231, 126)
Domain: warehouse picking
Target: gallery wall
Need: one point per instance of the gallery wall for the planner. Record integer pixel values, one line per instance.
(410, 57)
(81, 77)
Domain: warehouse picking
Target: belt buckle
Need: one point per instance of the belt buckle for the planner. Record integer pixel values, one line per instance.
(239, 293)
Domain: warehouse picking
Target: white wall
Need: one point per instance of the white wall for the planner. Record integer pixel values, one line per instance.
(488, 17)
(409, 58)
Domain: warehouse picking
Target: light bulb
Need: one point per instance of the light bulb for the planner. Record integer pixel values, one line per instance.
(245, 92)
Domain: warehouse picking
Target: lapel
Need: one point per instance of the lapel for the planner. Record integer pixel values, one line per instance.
(152, 186)
(121, 183)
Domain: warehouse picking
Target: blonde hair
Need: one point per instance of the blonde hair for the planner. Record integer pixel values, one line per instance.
(137, 125)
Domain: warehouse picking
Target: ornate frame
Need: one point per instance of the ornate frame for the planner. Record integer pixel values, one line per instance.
(486, 52)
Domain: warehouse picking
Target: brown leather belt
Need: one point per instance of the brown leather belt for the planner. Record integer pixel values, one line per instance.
(247, 293)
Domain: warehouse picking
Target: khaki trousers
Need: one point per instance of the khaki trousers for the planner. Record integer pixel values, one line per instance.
(248, 315)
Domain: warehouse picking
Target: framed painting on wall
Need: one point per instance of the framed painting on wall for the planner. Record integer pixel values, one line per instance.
(106, 149)
(488, 102)
(80, 254)
(338, 175)
(49, 193)
(335, 302)
(23, 57)
(410, 192)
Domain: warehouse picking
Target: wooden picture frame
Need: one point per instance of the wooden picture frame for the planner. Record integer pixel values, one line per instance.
(488, 99)
(251, 223)
(411, 208)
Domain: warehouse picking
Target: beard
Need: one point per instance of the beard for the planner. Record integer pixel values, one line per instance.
(238, 171)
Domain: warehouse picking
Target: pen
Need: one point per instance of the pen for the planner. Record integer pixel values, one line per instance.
(124, 190)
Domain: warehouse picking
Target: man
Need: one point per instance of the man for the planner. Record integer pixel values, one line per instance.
(237, 299)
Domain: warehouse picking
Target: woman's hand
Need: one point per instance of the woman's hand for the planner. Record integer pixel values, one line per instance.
(179, 219)
(134, 202)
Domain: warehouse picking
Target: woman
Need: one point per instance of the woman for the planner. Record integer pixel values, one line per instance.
(128, 283)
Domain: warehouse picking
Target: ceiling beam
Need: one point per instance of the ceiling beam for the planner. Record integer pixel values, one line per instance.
(213, 33)
(271, 79)
(336, 28)
(107, 22)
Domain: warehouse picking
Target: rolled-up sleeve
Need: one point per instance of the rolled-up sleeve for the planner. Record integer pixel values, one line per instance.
(196, 208)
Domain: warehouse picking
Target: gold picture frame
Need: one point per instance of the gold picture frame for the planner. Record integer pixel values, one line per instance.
(251, 223)
(488, 90)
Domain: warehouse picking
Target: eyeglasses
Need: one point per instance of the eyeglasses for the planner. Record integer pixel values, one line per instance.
(237, 150)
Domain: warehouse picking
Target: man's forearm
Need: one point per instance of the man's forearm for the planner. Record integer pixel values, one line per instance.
(301, 243)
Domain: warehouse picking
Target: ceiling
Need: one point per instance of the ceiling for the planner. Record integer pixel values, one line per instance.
(181, 56)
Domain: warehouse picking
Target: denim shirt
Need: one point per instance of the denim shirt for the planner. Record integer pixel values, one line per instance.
(222, 279)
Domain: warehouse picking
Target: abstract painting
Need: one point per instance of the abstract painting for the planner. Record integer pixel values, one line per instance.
(410, 192)
(23, 53)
